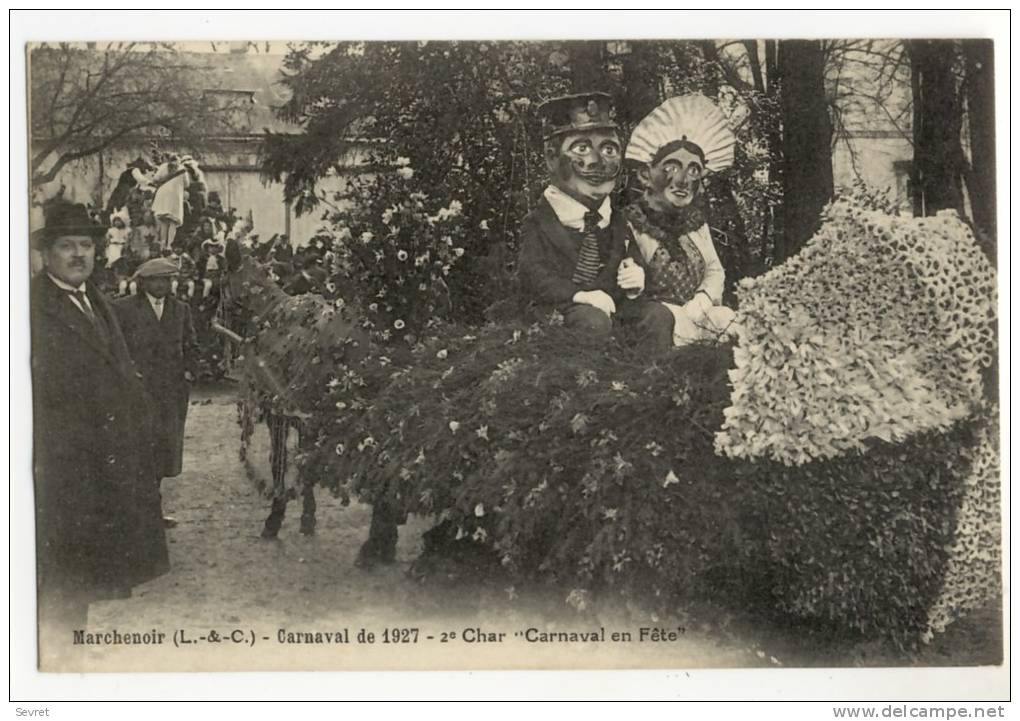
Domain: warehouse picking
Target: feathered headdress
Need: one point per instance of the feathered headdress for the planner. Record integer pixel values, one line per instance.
(689, 117)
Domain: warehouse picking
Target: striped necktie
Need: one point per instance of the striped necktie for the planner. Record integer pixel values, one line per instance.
(589, 260)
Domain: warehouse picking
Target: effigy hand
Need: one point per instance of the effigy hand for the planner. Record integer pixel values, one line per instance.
(597, 299)
(631, 277)
(698, 306)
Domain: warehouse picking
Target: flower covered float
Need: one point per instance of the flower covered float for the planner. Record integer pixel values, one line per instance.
(837, 462)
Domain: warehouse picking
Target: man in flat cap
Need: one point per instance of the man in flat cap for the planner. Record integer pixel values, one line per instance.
(577, 255)
(161, 339)
(98, 528)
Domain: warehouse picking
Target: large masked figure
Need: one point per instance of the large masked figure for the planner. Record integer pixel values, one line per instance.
(676, 146)
(578, 256)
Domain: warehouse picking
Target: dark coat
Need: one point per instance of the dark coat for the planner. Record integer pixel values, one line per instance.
(162, 351)
(549, 252)
(99, 527)
(119, 197)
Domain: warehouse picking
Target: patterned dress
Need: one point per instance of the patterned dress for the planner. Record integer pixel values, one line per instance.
(677, 267)
(684, 272)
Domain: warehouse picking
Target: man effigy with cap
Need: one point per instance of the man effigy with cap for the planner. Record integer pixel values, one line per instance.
(98, 527)
(161, 340)
(577, 255)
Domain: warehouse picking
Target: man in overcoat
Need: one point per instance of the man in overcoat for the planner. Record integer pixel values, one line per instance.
(98, 526)
(577, 255)
(161, 340)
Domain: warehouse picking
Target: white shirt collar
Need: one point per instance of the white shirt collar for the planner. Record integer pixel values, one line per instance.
(66, 286)
(154, 301)
(571, 212)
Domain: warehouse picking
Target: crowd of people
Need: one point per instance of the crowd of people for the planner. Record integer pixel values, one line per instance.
(164, 209)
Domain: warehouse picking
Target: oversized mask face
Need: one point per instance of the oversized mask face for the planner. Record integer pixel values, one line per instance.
(586, 164)
(673, 182)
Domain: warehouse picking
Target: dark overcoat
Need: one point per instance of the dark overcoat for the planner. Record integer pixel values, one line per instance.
(549, 253)
(99, 527)
(162, 350)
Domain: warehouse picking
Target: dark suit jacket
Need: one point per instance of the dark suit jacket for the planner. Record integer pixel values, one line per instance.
(549, 252)
(98, 520)
(162, 350)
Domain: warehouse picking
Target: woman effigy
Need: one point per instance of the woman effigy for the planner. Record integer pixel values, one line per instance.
(677, 146)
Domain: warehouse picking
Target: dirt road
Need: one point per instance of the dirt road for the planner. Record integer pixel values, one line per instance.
(226, 579)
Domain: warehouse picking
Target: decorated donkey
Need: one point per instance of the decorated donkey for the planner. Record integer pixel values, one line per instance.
(286, 343)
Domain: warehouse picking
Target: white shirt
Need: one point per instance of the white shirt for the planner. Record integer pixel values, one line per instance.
(571, 212)
(157, 305)
(70, 289)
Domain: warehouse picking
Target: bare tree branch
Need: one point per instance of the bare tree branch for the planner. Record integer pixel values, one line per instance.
(82, 98)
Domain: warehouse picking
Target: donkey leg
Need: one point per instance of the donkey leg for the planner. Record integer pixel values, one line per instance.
(381, 546)
(308, 520)
(278, 463)
(307, 507)
(271, 528)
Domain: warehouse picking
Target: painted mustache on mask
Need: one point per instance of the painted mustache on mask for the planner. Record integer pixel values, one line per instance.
(597, 178)
(600, 174)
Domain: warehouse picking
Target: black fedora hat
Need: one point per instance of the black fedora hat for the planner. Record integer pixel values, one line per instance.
(65, 218)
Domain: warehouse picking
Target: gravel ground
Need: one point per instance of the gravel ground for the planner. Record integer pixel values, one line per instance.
(226, 579)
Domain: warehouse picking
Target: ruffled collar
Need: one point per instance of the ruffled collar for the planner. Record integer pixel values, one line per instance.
(665, 226)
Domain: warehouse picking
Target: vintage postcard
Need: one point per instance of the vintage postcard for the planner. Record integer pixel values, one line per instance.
(462, 355)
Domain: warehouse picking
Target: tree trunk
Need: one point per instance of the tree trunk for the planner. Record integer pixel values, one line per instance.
(640, 91)
(586, 61)
(938, 117)
(807, 134)
(772, 232)
(751, 46)
(980, 85)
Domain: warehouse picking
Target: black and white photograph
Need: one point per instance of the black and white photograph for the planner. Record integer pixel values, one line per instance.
(514, 354)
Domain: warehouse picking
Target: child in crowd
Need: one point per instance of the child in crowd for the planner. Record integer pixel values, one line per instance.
(123, 268)
(185, 279)
(214, 262)
(117, 236)
(144, 236)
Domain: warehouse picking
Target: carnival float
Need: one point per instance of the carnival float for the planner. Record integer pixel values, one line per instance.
(835, 462)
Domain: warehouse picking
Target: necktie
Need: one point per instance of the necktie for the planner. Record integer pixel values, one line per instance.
(97, 323)
(159, 309)
(589, 260)
(79, 295)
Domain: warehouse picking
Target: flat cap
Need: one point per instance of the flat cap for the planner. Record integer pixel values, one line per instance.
(157, 268)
